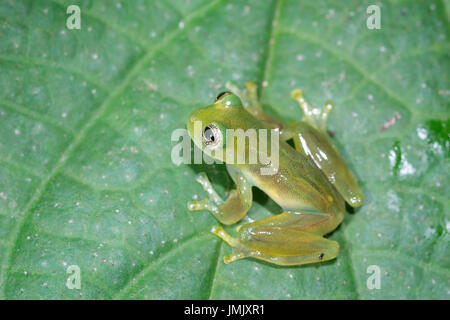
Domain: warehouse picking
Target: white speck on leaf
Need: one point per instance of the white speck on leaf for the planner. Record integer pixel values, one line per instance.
(393, 202)
(422, 133)
(406, 168)
(429, 232)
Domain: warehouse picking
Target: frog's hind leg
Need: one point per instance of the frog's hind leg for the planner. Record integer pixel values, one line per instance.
(311, 139)
(238, 250)
(290, 238)
(315, 117)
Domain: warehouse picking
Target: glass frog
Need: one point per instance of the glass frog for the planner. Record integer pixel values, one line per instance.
(311, 183)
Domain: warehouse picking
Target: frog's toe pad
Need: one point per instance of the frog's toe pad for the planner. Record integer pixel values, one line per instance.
(233, 257)
(193, 205)
(204, 204)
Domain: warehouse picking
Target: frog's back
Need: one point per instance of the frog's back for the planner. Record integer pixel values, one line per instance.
(298, 183)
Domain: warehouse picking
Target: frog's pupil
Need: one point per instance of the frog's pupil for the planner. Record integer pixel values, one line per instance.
(209, 134)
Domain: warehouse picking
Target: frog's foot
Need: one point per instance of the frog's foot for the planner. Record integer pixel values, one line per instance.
(314, 116)
(250, 101)
(228, 211)
(212, 200)
(238, 249)
(249, 97)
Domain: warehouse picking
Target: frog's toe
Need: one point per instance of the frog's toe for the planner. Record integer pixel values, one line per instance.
(195, 205)
(239, 251)
(314, 116)
(235, 89)
(249, 97)
(357, 200)
(233, 257)
(205, 204)
(203, 180)
(221, 233)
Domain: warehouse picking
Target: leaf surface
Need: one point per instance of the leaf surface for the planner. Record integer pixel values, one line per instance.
(86, 118)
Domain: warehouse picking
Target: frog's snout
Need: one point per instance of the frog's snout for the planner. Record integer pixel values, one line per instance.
(190, 122)
(194, 127)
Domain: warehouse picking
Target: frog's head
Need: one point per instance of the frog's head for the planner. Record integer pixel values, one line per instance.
(208, 126)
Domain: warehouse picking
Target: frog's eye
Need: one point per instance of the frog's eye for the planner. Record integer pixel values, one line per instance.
(221, 95)
(228, 99)
(212, 136)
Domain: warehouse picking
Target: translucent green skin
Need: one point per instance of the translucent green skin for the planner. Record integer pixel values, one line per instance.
(312, 182)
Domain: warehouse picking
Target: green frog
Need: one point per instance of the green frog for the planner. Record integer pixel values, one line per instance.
(310, 182)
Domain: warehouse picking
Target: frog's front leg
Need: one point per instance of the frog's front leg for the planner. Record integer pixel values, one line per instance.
(290, 238)
(234, 208)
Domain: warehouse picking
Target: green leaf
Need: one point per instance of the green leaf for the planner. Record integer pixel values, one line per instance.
(86, 118)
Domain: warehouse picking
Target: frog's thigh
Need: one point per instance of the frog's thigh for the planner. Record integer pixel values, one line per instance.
(316, 145)
(234, 208)
(320, 223)
(290, 238)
